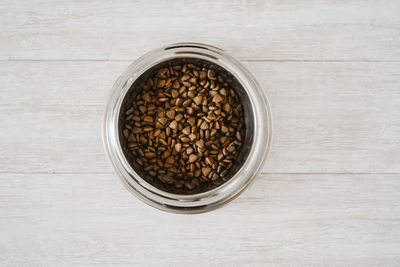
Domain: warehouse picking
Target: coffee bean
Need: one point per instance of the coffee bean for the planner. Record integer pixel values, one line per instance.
(178, 117)
(185, 77)
(178, 101)
(163, 142)
(176, 84)
(193, 158)
(165, 178)
(139, 161)
(217, 98)
(129, 111)
(211, 74)
(215, 176)
(187, 102)
(162, 73)
(189, 110)
(126, 133)
(204, 125)
(152, 173)
(173, 124)
(231, 147)
(206, 171)
(189, 150)
(137, 130)
(160, 83)
(191, 94)
(149, 155)
(163, 121)
(178, 147)
(192, 137)
(202, 75)
(157, 132)
(170, 114)
(147, 128)
(192, 121)
(209, 161)
(226, 107)
(198, 100)
(174, 93)
(186, 130)
(200, 143)
(170, 160)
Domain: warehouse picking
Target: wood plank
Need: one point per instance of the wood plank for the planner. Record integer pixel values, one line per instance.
(330, 117)
(82, 219)
(289, 30)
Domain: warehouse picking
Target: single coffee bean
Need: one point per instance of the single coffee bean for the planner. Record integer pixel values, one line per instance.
(193, 158)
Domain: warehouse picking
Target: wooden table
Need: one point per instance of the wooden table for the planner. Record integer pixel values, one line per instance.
(329, 194)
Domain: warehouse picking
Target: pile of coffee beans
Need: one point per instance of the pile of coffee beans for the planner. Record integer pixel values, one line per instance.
(185, 127)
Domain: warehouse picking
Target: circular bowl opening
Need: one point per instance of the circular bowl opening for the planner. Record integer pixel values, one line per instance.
(245, 142)
(255, 146)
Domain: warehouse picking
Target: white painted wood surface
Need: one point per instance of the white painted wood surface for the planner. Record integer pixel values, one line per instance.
(329, 193)
(311, 219)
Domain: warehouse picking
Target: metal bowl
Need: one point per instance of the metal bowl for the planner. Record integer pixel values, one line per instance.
(258, 123)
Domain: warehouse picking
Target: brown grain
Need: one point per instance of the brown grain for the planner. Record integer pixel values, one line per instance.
(185, 127)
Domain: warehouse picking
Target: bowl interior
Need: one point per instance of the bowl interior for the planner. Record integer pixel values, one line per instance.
(137, 86)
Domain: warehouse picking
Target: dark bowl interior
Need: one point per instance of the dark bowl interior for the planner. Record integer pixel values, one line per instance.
(248, 117)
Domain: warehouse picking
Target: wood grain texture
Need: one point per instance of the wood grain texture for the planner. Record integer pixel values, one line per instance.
(329, 194)
(81, 219)
(330, 117)
(274, 30)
